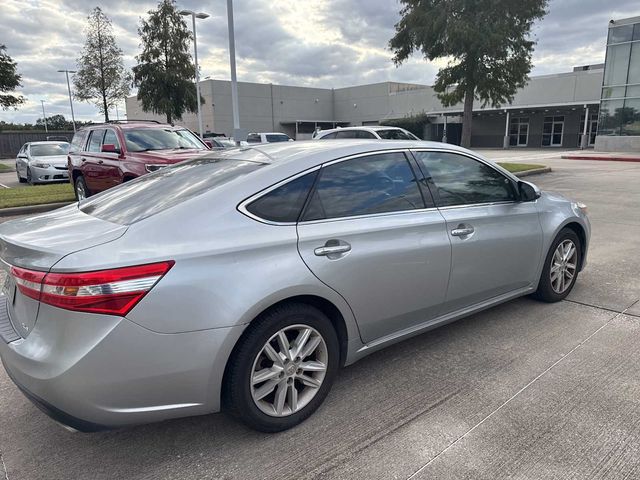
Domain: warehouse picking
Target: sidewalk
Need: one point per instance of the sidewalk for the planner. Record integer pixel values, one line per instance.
(603, 156)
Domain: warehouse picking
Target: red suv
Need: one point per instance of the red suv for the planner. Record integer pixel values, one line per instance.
(102, 156)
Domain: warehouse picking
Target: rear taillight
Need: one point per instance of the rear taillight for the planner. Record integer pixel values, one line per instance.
(113, 292)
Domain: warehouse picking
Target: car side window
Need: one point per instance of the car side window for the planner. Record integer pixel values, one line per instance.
(329, 136)
(378, 183)
(284, 204)
(364, 134)
(95, 141)
(347, 134)
(461, 180)
(110, 138)
(253, 138)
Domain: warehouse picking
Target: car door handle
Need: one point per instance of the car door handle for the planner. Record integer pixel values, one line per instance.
(332, 250)
(100, 162)
(462, 232)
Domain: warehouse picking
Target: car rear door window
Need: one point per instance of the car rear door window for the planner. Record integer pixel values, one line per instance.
(95, 141)
(364, 134)
(461, 180)
(393, 134)
(372, 184)
(284, 204)
(347, 134)
(254, 138)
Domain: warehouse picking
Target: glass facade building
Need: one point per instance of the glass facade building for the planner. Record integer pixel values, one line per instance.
(620, 98)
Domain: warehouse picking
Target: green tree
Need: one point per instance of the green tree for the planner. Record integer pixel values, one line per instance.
(9, 81)
(487, 42)
(101, 78)
(165, 71)
(56, 122)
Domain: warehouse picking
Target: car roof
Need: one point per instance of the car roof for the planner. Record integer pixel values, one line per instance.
(136, 125)
(268, 133)
(312, 153)
(48, 142)
(365, 128)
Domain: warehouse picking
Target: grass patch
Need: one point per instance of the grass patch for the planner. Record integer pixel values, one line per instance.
(36, 195)
(5, 168)
(519, 167)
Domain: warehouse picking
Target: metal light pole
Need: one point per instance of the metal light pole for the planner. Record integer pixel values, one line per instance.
(73, 118)
(44, 117)
(201, 16)
(232, 61)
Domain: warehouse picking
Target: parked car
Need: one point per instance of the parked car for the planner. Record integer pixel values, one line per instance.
(42, 162)
(102, 156)
(244, 279)
(268, 137)
(378, 132)
(225, 142)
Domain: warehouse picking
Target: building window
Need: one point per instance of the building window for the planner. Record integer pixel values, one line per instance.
(552, 131)
(519, 131)
(592, 128)
(620, 100)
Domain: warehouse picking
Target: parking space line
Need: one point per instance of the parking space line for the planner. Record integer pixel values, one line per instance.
(505, 403)
(4, 467)
(3, 185)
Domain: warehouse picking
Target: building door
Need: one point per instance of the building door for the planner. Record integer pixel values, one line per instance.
(552, 131)
(519, 131)
(593, 129)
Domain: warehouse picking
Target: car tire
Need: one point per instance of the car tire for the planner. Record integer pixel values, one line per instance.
(559, 274)
(29, 179)
(241, 390)
(79, 185)
(20, 179)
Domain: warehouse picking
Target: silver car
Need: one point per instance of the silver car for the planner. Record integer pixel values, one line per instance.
(42, 162)
(245, 279)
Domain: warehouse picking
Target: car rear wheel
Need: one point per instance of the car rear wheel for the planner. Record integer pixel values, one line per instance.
(283, 368)
(80, 188)
(560, 268)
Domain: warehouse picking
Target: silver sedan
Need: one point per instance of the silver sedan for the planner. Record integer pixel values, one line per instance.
(244, 280)
(42, 162)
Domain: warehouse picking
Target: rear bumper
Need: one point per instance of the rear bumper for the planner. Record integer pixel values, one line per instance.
(93, 372)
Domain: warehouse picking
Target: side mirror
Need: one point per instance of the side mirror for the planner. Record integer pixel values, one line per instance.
(528, 191)
(208, 143)
(109, 148)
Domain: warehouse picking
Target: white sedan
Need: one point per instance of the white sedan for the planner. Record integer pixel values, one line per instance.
(42, 162)
(378, 132)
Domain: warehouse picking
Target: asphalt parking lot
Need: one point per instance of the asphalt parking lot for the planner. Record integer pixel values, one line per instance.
(524, 390)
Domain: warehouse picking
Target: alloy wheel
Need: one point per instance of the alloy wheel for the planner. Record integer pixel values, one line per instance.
(563, 266)
(289, 370)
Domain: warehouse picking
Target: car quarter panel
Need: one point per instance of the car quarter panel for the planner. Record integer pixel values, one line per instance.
(220, 278)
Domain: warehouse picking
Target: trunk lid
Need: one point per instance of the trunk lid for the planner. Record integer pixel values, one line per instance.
(38, 243)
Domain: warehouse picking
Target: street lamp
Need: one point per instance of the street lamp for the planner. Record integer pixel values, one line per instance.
(44, 117)
(234, 79)
(201, 16)
(73, 118)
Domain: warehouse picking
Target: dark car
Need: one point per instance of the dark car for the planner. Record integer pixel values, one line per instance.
(102, 156)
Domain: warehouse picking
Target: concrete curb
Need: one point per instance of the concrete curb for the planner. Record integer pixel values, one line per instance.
(29, 209)
(602, 158)
(535, 171)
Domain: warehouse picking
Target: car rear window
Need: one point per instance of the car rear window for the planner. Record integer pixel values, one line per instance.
(150, 194)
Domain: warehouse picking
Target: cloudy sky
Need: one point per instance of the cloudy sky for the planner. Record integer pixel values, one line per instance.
(329, 43)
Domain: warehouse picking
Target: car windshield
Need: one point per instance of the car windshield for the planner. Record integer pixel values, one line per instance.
(277, 138)
(226, 142)
(393, 134)
(145, 139)
(149, 194)
(49, 149)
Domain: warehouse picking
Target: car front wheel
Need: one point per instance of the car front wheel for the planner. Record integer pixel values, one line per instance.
(560, 268)
(283, 368)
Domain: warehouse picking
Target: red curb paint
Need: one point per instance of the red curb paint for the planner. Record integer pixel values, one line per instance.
(603, 158)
